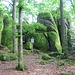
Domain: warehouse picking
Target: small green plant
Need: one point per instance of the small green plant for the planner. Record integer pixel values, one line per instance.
(8, 56)
(36, 51)
(20, 66)
(65, 73)
(43, 62)
(70, 62)
(4, 57)
(4, 48)
(52, 60)
(64, 56)
(45, 57)
(12, 56)
(29, 46)
(26, 52)
(60, 63)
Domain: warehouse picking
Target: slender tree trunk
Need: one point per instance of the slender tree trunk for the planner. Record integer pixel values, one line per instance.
(14, 27)
(20, 43)
(63, 28)
(69, 36)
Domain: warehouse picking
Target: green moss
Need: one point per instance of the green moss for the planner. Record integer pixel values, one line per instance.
(70, 62)
(26, 52)
(46, 57)
(8, 56)
(65, 73)
(52, 60)
(29, 46)
(20, 66)
(54, 37)
(6, 39)
(43, 62)
(1, 27)
(4, 57)
(44, 15)
(12, 56)
(40, 42)
(60, 63)
(55, 54)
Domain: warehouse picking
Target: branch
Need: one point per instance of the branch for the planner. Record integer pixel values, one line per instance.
(72, 3)
(8, 2)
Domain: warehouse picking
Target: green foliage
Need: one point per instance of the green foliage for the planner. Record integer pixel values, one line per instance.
(1, 26)
(8, 56)
(4, 57)
(29, 46)
(55, 54)
(6, 39)
(20, 66)
(39, 27)
(12, 56)
(43, 62)
(26, 52)
(36, 51)
(70, 62)
(46, 57)
(1, 55)
(28, 28)
(21, 4)
(3, 10)
(51, 30)
(30, 31)
(60, 63)
(65, 73)
(52, 60)
(44, 15)
(64, 56)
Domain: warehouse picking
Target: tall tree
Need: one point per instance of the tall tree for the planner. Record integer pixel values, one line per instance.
(63, 33)
(14, 26)
(20, 40)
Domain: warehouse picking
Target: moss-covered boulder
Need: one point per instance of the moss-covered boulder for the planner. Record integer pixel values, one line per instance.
(45, 57)
(51, 34)
(29, 46)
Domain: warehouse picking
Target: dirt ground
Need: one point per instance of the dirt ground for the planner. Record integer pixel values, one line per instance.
(34, 68)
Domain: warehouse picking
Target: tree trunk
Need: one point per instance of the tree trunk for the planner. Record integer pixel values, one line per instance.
(63, 32)
(20, 43)
(14, 27)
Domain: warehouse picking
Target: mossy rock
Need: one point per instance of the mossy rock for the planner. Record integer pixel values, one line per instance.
(29, 46)
(60, 63)
(45, 57)
(44, 15)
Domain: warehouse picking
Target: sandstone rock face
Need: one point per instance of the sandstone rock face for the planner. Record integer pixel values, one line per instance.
(44, 18)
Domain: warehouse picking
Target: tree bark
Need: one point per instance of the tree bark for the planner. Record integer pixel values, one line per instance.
(14, 27)
(20, 42)
(63, 32)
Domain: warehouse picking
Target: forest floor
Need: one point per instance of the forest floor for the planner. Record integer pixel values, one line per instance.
(34, 68)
